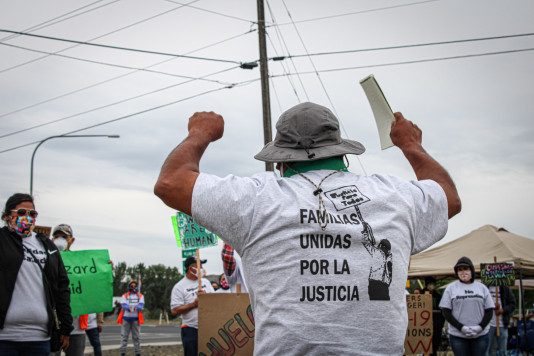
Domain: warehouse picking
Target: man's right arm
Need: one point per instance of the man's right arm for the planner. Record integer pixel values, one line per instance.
(182, 309)
(181, 169)
(408, 137)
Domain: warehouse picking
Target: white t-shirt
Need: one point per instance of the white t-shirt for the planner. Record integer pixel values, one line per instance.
(236, 278)
(184, 292)
(92, 322)
(493, 321)
(27, 317)
(77, 330)
(316, 292)
(468, 303)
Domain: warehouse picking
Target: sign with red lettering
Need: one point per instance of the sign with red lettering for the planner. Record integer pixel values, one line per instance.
(225, 324)
(419, 333)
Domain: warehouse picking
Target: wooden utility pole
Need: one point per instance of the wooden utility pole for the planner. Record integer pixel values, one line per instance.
(264, 70)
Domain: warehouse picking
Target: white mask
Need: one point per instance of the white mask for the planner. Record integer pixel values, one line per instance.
(61, 243)
(194, 272)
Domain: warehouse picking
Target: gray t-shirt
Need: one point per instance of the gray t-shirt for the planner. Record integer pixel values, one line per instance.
(27, 317)
(338, 291)
(468, 303)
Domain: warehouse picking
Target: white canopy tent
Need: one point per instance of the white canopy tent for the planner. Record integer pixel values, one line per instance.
(481, 246)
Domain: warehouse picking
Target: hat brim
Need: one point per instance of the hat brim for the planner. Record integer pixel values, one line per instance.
(275, 154)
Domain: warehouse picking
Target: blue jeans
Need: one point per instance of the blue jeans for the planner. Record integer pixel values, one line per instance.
(469, 347)
(190, 341)
(497, 344)
(94, 339)
(26, 348)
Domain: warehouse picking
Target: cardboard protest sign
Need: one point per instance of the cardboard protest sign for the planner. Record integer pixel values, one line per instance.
(46, 230)
(497, 274)
(91, 281)
(420, 325)
(225, 324)
(190, 235)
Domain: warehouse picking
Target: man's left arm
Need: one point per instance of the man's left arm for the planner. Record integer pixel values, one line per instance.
(181, 169)
(408, 137)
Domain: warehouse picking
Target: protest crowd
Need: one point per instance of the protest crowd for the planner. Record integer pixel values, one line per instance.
(321, 254)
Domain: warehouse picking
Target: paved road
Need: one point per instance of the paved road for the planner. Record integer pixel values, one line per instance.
(150, 335)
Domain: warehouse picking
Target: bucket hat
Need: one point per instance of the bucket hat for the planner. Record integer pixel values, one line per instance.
(307, 132)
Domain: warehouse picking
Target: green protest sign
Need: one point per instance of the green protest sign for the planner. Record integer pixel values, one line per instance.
(497, 274)
(190, 235)
(91, 281)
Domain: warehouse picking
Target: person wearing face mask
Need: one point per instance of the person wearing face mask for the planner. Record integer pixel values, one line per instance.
(184, 301)
(131, 317)
(437, 317)
(62, 237)
(223, 285)
(468, 307)
(32, 280)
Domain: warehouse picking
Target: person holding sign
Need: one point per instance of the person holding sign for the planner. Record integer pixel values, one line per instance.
(131, 317)
(301, 236)
(504, 307)
(34, 287)
(184, 301)
(468, 307)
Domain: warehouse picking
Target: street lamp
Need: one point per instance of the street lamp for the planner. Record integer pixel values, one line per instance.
(60, 136)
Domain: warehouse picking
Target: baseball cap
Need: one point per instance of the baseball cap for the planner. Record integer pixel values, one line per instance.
(307, 132)
(192, 260)
(64, 228)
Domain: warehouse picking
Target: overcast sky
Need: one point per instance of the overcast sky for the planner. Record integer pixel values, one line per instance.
(472, 99)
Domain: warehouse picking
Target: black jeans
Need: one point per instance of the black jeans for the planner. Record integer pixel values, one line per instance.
(190, 341)
(94, 339)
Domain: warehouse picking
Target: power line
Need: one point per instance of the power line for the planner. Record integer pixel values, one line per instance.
(101, 36)
(319, 78)
(357, 12)
(120, 48)
(138, 113)
(108, 64)
(412, 62)
(409, 46)
(284, 45)
(62, 17)
(115, 78)
(113, 104)
(213, 12)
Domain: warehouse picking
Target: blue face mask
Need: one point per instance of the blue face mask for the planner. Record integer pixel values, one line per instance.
(22, 225)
